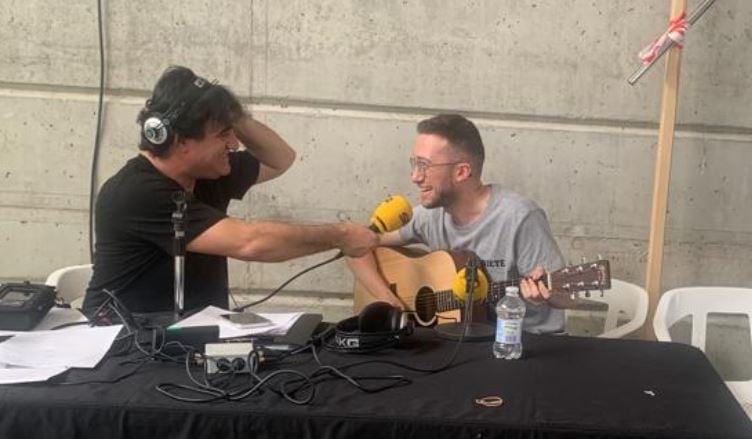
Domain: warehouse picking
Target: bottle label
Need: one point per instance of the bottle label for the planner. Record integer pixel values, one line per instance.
(509, 331)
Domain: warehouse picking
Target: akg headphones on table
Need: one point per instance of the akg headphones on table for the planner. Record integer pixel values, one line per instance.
(159, 128)
(378, 326)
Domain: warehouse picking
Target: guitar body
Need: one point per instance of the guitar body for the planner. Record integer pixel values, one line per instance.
(414, 276)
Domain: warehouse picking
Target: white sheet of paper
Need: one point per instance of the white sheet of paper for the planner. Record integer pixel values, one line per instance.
(11, 375)
(73, 347)
(280, 323)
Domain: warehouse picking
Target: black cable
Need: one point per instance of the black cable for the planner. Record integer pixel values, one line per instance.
(284, 284)
(110, 381)
(68, 325)
(97, 136)
(261, 381)
(148, 352)
(289, 389)
(215, 393)
(97, 315)
(117, 306)
(326, 373)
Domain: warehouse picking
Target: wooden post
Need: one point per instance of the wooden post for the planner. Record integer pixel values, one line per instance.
(662, 175)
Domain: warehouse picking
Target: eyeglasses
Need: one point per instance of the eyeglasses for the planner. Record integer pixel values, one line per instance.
(421, 166)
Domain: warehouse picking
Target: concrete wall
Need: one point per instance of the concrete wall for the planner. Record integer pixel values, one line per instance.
(346, 81)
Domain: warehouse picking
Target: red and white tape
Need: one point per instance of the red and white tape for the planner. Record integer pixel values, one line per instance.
(676, 30)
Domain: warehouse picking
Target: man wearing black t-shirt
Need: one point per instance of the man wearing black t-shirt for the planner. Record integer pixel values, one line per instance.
(190, 135)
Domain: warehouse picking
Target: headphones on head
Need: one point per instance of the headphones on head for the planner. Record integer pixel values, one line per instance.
(378, 326)
(158, 129)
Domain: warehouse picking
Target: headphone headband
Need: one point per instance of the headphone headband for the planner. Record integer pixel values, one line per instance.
(159, 129)
(379, 326)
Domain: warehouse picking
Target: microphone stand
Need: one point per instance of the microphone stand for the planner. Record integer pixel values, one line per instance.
(178, 247)
(474, 331)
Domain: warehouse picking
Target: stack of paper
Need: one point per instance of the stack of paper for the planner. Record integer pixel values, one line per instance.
(279, 323)
(40, 355)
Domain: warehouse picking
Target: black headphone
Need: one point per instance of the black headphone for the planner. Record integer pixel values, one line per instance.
(378, 326)
(158, 129)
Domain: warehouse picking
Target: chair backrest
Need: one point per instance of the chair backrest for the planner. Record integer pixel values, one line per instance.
(626, 301)
(698, 302)
(71, 282)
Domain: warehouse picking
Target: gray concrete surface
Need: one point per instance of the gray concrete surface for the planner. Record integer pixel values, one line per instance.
(345, 82)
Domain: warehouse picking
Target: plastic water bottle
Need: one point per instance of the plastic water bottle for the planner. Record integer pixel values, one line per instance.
(509, 314)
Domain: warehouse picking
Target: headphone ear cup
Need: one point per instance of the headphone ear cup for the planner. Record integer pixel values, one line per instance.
(157, 130)
(379, 317)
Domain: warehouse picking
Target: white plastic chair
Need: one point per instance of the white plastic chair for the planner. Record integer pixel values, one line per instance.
(71, 283)
(698, 302)
(625, 301)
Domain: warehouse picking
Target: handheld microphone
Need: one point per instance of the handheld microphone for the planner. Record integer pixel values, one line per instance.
(391, 214)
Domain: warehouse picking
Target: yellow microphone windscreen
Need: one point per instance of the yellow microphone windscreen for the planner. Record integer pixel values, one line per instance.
(459, 285)
(391, 214)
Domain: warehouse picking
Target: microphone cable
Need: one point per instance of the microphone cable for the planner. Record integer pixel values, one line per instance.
(208, 389)
(284, 284)
(325, 372)
(98, 135)
(154, 348)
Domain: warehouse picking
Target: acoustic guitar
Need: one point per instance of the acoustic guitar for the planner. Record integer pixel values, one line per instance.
(423, 281)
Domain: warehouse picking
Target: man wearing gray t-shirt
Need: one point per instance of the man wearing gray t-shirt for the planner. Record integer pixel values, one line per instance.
(507, 231)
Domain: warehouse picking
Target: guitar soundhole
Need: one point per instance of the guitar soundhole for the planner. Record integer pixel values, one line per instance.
(425, 304)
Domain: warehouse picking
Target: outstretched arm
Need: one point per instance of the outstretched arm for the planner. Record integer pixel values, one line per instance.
(274, 241)
(365, 271)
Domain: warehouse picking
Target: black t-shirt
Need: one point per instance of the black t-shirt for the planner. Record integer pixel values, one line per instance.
(134, 236)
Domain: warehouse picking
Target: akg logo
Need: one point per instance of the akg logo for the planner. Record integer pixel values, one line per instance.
(348, 342)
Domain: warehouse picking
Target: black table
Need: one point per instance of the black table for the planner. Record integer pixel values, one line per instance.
(563, 387)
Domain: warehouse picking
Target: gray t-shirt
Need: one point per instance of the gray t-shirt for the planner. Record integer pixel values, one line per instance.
(511, 237)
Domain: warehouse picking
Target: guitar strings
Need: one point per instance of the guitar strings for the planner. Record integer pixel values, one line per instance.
(428, 299)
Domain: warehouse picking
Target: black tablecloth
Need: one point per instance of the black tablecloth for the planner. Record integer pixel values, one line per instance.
(564, 387)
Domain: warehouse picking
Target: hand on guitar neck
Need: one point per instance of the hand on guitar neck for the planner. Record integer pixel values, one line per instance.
(535, 291)
(533, 288)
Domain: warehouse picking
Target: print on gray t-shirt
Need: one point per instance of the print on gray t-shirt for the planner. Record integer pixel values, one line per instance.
(511, 237)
